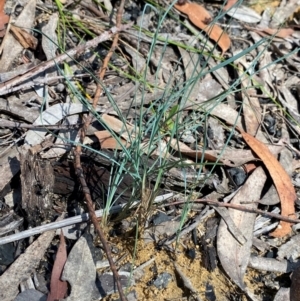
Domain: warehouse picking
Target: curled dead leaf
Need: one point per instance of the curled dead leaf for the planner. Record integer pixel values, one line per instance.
(281, 179)
(201, 18)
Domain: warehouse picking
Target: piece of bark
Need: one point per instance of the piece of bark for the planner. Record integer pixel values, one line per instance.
(207, 241)
(97, 178)
(37, 182)
(98, 169)
(295, 286)
(23, 266)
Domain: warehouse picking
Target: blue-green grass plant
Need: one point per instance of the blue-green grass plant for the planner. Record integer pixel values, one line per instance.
(165, 120)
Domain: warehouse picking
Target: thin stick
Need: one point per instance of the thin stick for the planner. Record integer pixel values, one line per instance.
(242, 208)
(8, 85)
(71, 221)
(45, 127)
(41, 81)
(94, 10)
(109, 54)
(78, 166)
(188, 229)
(93, 217)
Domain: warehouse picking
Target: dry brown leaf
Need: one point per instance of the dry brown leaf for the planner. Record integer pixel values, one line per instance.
(201, 18)
(126, 131)
(249, 167)
(279, 33)
(281, 179)
(186, 150)
(227, 156)
(24, 38)
(4, 19)
(107, 141)
(58, 288)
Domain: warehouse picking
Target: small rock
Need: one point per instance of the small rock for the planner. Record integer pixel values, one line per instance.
(115, 250)
(160, 217)
(60, 87)
(108, 286)
(209, 293)
(127, 267)
(167, 228)
(238, 175)
(191, 253)
(7, 254)
(40, 283)
(32, 295)
(162, 280)
(283, 294)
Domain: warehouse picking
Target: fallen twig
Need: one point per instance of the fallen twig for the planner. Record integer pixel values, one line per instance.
(42, 81)
(17, 124)
(188, 229)
(78, 166)
(93, 218)
(95, 11)
(71, 221)
(242, 208)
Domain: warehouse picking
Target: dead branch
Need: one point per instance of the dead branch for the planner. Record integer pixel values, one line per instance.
(70, 221)
(22, 125)
(78, 166)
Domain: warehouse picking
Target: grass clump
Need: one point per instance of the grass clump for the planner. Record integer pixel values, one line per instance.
(150, 154)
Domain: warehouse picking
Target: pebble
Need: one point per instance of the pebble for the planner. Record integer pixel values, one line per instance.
(191, 253)
(108, 285)
(209, 293)
(60, 87)
(162, 280)
(160, 217)
(32, 295)
(7, 254)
